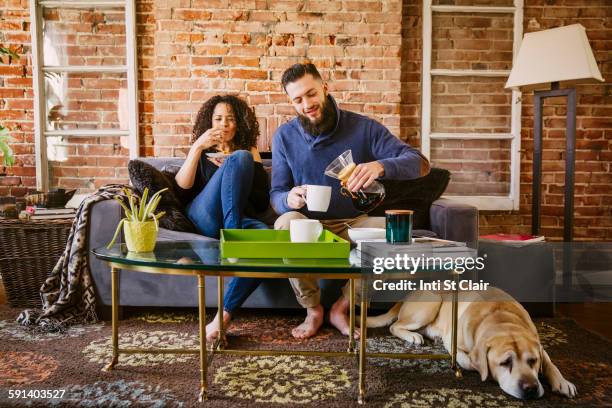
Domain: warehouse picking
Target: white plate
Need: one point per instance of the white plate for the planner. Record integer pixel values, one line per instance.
(356, 234)
(217, 155)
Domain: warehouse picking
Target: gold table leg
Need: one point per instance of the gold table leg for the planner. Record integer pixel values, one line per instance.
(220, 342)
(115, 318)
(455, 318)
(351, 346)
(363, 343)
(202, 324)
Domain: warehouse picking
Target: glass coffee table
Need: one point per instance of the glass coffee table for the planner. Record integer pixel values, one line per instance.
(202, 258)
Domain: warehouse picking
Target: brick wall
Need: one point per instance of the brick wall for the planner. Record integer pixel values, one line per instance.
(370, 50)
(206, 47)
(478, 43)
(16, 98)
(593, 194)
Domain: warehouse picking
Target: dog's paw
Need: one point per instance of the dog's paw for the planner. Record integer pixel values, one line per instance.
(412, 338)
(565, 388)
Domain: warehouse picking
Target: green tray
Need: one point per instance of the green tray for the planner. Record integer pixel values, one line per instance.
(253, 243)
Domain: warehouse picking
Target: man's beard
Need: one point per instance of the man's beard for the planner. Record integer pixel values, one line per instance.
(324, 125)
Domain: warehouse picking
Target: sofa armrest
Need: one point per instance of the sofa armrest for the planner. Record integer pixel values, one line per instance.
(103, 219)
(454, 221)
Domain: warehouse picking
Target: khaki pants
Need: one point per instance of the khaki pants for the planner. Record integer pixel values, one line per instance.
(307, 290)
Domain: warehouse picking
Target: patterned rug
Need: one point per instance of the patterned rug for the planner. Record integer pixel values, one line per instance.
(72, 362)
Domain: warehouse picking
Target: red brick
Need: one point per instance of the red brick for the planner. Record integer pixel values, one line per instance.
(15, 70)
(248, 74)
(241, 61)
(191, 15)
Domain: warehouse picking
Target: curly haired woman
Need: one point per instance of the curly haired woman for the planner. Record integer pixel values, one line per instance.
(223, 188)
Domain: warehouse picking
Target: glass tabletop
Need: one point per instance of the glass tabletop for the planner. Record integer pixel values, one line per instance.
(204, 255)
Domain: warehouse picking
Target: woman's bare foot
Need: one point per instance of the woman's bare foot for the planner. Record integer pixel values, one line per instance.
(212, 328)
(338, 317)
(311, 325)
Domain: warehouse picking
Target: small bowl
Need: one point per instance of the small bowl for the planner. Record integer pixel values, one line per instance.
(357, 234)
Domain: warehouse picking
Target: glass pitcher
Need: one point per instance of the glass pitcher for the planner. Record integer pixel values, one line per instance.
(366, 198)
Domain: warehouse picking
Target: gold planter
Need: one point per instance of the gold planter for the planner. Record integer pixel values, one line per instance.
(140, 236)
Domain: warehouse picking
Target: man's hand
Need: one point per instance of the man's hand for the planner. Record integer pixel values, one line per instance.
(296, 198)
(364, 174)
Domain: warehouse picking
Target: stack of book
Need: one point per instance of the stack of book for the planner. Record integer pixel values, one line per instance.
(38, 213)
(516, 240)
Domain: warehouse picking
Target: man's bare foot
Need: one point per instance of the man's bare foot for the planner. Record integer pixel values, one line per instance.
(212, 328)
(311, 325)
(338, 317)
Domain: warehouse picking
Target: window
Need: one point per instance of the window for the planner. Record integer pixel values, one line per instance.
(85, 87)
(470, 124)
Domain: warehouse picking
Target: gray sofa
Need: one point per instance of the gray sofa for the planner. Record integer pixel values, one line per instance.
(449, 220)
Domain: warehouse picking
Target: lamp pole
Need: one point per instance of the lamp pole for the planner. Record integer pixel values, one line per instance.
(570, 161)
(570, 158)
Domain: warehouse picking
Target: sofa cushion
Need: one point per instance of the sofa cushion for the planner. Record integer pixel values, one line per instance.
(416, 195)
(144, 175)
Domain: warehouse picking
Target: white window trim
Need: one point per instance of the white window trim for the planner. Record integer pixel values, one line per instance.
(500, 202)
(38, 70)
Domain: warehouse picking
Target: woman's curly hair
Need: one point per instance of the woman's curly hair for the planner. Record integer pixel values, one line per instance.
(247, 127)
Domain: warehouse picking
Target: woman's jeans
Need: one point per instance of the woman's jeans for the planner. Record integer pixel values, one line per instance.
(221, 205)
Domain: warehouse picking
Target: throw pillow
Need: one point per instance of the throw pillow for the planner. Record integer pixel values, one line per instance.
(145, 175)
(416, 195)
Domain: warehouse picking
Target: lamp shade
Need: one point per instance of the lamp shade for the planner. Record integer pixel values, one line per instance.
(558, 54)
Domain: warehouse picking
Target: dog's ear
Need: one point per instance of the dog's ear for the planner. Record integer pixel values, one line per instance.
(479, 360)
(541, 369)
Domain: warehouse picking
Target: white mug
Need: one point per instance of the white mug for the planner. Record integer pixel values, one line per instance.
(318, 197)
(305, 230)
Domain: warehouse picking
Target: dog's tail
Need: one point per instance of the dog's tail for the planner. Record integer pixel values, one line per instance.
(384, 319)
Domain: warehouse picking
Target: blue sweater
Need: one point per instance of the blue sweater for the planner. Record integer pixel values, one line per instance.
(299, 158)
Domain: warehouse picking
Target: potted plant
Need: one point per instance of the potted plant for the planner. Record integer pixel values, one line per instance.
(7, 154)
(140, 224)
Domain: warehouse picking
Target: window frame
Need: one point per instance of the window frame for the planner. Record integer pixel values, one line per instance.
(482, 202)
(38, 73)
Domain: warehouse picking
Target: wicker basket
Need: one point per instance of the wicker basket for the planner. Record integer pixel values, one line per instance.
(28, 252)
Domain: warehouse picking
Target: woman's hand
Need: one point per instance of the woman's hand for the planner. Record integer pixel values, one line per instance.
(212, 137)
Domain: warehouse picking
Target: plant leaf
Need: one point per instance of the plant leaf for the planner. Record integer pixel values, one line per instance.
(143, 200)
(10, 53)
(153, 203)
(7, 153)
(157, 194)
(127, 211)
(134, 208)
(156, 224)
(116, 233)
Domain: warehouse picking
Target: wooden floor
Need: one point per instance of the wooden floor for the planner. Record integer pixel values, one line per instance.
(595, 317)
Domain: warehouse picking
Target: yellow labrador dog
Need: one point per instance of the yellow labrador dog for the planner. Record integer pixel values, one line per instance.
(496, 337)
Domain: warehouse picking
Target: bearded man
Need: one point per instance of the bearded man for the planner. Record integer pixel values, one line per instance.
(301, 150)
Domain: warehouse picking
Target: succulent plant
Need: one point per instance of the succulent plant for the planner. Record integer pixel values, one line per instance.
(139, 209)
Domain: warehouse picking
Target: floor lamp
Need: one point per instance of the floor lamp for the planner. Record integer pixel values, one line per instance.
(549, 57)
